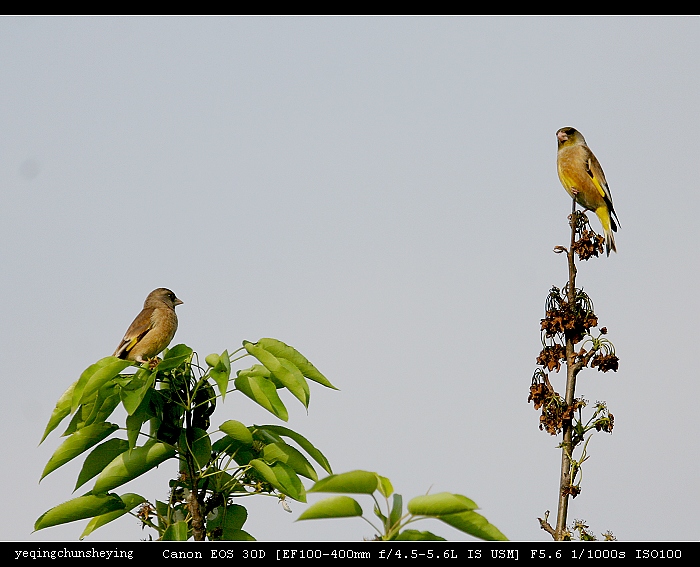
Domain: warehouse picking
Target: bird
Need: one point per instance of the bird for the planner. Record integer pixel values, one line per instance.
(583, 178)
(153, 329)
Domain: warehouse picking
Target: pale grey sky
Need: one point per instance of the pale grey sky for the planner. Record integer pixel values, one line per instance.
(380, 193)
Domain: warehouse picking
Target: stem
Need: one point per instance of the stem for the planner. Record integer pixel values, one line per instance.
(198, 530)
(571, 372)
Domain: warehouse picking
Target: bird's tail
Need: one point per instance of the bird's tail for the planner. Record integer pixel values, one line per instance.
(603, 214)
(609, 242)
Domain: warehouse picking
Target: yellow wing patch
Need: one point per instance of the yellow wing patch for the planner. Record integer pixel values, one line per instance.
(594, 179)
(132, 344)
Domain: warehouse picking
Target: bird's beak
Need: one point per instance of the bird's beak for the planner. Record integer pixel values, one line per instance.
(178, 301)
(562, 136)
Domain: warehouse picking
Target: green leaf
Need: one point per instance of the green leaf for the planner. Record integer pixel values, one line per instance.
(61, 410)
(287, 478)
(263, 392)
(201, 446)
(172, 362)
(221, 373)
(232, 516)
(99, 458)
(133, 393)
(378, 512)
(301, 382)
(177, 351)
(131, 464)
(265, 471)
(474, 524)
(355, 482)
(176, 532)
(333, 507)
(260, 370)
(396, 509)
(238, 535)
(265, 436)
(130, 500)
(415, 535)
(230, 519)
(80, 417)
(385, 487)
(257, 370)
(174, 357)
(77, 422)
(78, 509)
(440, 504)
(236, 515)
(293, 381)
(77, 443)
(96, 376)
(137, 419)
(146, 410)
(238, 431)
(227, 445)
(281, 452)
(162, 511)
(303, 442)
(241, 453)
(282, 350)
(106, 402)
(281, 477)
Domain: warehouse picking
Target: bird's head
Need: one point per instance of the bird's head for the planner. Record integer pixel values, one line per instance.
(160, 296)
(569, 136)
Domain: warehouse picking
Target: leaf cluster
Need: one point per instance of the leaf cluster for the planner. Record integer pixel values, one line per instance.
(169, 405)
(453, 509)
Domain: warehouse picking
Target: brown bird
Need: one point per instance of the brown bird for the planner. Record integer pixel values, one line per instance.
(583, 178)
(153, 328)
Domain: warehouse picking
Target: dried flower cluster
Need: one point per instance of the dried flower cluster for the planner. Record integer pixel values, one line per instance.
(588, 243)
(572, 490)
(605, 362)
(555, 411)
(606, 421)
(571, 321)
(551, 357)
(585, 534)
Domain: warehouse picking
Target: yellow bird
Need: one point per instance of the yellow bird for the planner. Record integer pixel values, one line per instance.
(583, 178)
(153, 328)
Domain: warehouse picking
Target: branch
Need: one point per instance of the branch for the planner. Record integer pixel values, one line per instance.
(546, 526)
(198, 529)
(571, 371)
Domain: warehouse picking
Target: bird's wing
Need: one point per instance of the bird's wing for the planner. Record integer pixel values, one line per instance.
(136, 331)
(595, 172)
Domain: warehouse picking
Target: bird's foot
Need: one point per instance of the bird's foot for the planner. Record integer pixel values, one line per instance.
(151, 363)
